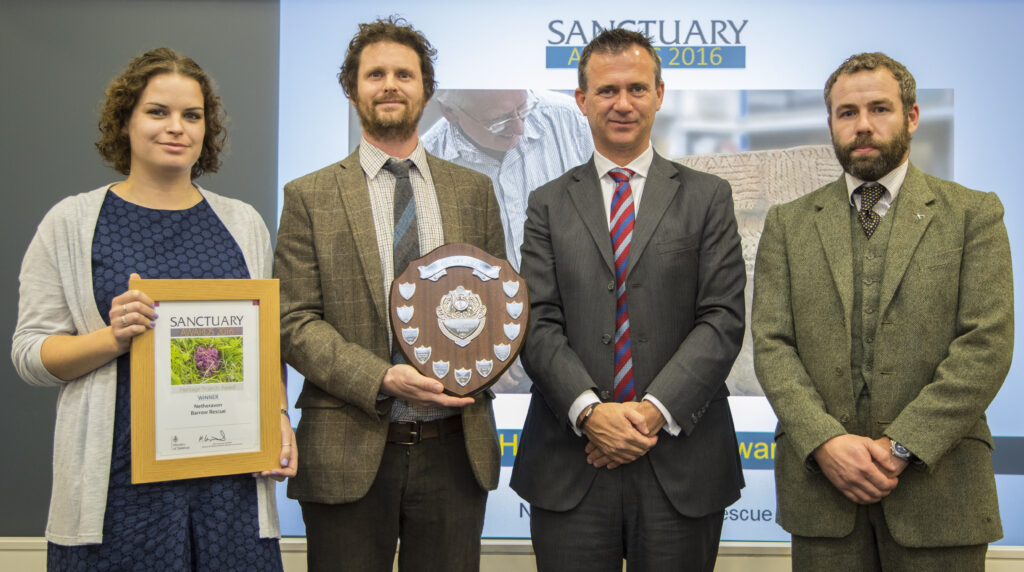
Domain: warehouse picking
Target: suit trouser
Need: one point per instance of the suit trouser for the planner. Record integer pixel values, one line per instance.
(625, 514)
(870, 547)
(425, 495)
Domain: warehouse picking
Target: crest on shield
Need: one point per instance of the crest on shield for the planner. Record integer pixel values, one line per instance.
(461, 316)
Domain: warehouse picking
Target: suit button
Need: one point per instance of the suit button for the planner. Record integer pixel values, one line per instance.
(611, 286)
(844, 418)
(694, 418)
(869, 281)
(606, 339)
(838, 371)
(869, 339)
(642, 339)
(604, 395)
(869, 310)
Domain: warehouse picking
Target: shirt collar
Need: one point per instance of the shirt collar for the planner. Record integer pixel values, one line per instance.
(372, 159)
(892, 181)
(640, 165)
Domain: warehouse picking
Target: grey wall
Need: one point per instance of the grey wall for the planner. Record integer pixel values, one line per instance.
(56, 58)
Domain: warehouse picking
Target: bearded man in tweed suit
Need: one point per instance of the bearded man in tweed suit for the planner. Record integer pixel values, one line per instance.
(384, 454)
(883, 328)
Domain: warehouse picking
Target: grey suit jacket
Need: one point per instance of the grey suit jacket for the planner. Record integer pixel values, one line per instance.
(333, 322)
(685, 290)
(942, 349)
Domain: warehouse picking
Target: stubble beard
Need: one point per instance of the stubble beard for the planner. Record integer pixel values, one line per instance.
(868, 168)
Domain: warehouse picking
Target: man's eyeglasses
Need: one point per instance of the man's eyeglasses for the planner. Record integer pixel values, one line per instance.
(500, 124)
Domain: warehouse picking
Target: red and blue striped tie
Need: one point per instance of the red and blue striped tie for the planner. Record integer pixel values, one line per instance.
(622, 217)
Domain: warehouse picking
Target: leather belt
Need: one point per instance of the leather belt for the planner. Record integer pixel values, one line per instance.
(412, 432)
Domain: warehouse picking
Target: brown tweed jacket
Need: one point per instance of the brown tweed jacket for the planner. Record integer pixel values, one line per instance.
(942, 349)
(333, 322)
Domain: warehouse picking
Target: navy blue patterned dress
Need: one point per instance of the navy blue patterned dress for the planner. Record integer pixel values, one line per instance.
(198, 524)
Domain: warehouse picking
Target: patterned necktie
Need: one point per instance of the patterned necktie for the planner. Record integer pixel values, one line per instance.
(870, 193)
(406, 245)
(406, 248)
(622, 218)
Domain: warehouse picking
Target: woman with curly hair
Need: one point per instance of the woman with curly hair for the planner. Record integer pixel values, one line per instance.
(161, 127)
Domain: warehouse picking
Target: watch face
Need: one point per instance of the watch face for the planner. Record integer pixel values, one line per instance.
(900, 451)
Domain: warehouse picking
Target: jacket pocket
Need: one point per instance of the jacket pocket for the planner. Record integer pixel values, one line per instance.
(942, 259)
(678, 244)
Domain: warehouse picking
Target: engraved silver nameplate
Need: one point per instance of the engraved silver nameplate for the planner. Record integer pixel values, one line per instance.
(511, 288)
(502, 351)
(440, 368)
(406, 289)
(462, 376)
(484, 367)
(422, 353)
(405, 313)
(512, 331)
(439, 268)
(410, 335)
(515, 309)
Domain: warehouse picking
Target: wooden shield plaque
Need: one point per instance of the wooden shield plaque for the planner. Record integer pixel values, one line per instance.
(460, 316)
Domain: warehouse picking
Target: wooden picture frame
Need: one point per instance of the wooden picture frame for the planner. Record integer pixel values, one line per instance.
(212, 395)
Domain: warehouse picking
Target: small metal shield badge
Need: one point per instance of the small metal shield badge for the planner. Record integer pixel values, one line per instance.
(440, 368)
(511, 288)
(515, 309)
(502, 351)
(406, 289)
(484, 367)
(512, 331)
(405, 313)
(462, 376)
(410, 335)
(422, 353)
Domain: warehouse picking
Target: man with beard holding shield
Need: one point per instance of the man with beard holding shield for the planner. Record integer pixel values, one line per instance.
(388, 456)
(883, 328)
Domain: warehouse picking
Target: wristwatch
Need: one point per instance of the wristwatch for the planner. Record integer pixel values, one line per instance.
(900, 452)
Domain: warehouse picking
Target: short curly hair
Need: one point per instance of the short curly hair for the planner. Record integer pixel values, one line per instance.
(397, 30)
(123, 95)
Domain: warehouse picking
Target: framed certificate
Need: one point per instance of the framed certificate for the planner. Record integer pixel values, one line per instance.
(206, 380)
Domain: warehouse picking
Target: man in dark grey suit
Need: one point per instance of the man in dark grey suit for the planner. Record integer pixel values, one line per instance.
(636, 287)
(383, 453)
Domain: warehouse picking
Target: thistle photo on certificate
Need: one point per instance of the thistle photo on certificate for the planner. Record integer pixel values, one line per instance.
(206, 360)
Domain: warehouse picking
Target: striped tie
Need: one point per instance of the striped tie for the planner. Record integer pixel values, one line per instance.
(622, 218)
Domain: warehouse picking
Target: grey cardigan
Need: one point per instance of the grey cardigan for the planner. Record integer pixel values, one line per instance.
(56, 297)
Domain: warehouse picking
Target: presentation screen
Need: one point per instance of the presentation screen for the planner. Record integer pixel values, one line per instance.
(743, 97)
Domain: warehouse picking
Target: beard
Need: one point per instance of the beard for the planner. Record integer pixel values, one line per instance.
(866, 168)
(389, 128)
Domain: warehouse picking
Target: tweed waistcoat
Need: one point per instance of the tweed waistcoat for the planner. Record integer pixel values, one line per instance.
(868, 270)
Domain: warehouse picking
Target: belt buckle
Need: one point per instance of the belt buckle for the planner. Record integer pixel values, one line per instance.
(414, 433)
